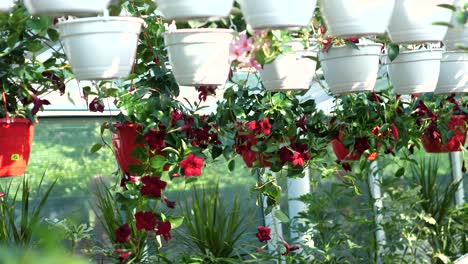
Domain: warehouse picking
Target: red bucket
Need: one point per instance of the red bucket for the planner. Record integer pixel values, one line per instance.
(124, 144)
(16, 136)
(453, 144)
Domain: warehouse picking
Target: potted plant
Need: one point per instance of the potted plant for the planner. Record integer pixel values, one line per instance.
(68, 7)
(280, 14)
(416, 70)
(86, 42)
(23, 83)
(453, 70)
(364, 124)
(457, 34)
(414, 21)
(345, 18)
(194, 9)
(442, 122)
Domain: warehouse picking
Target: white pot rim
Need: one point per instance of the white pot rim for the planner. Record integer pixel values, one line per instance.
(102, 19)
(359, 45)
(200, 30)
(324, 56)
(434, 54)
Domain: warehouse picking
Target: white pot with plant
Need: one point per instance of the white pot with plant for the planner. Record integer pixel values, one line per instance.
(413, 21)
(415, 71)
(349, 18)
(457, 34)
(453, 77)
(264, 14)
(100, 48)
(194, 9)
(6, 5)
(292, 70)
(66, 7)
(351, 68)
(199, 57)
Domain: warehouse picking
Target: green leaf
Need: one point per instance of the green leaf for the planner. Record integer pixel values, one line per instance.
(281, 217)
(441, 23)
(451, 7)
(53, 34)
(96, 148)
(176, 221)
(157, 162)
(393, 51)
(400, 172)
(232, 165)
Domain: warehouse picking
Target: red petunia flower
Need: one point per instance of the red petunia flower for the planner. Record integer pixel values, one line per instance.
(152, 186)
(145, 220)
(164, 229)
(263, 233)
(265, 126)
(289, 248)
(122, 233)
(156, 140)
(192, 165)
(123, 254)
(96, 105)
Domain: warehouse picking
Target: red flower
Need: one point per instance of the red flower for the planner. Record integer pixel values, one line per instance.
(395, 132)
(301, 123)
(265, 126)
(145, 220)
(372, 156)
(152, 186)
(205, 91)
(156, 140)
(123, 254)
(375, 131)
(361, 145)
(289, 248)
(169, 203)
(252, 125)
(2, 195)
(346, 166)
(164, 229)
(96, 105)
(176, 115)
(353, 40)
(192, 165)
(122, 233)
(263, 233)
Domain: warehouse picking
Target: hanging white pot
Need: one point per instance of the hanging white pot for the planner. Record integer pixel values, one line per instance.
(415, 71)
(100, 48)
(350, 70)
(290, 71)
(458, 35)
(351, 18)
(6, 5)
(263, 14)
(65, 7)
(412, 21)
(199, 56)
(194, 9)
(453, 76)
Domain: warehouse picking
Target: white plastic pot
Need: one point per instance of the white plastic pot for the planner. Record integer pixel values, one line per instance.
(290, 71)
(6, 5)
(100, 48)
(453, 76)
(66, 7)
(351, 18)
(349, 70)
(194, 9)
(415, 71)
(199, 56)
(263, 14)
(412, 21)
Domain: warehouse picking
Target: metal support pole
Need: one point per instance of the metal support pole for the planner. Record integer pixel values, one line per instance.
(376, 193)
(297, 188)
(457, 175)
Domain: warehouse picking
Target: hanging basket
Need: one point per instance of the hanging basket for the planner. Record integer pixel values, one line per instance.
(16, 137)
(199, 56)
(412, 21)
(354, 18)
(349, 70)
(457, 124)
(101, 48)
(194, 9)
(6, 5)
(291, 71)
(277, 14)
(66, 7)
(124, 143)
(453, 77)
(415, 71)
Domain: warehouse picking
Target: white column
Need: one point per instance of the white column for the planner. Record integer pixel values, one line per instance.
(297, 188)
(376, 194)
(457, 175)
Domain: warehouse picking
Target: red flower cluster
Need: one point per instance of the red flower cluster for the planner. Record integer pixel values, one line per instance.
(156, 140)
(145, 220)
(205, 91)
(327, 42)
(192, 165)
(296, 154)
(263, 233)
(122, 233)
(152, 186)
(164, 229)
(262, 126)
(243, 146)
